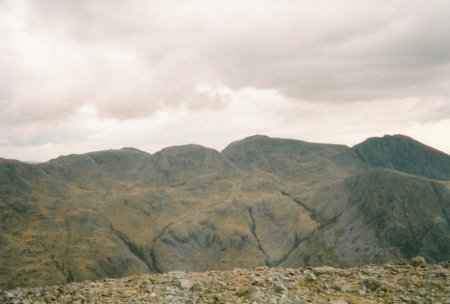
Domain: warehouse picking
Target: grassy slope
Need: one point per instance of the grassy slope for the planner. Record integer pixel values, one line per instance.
(262, 201)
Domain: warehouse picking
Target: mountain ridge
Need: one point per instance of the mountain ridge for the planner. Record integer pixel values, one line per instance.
(391, 152)
(260, 201)
(246, 139)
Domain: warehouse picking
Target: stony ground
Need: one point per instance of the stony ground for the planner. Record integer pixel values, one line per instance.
(416, 282)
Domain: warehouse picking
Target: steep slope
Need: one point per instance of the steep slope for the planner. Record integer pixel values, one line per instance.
(85, 169)
(298, 165)
(376, 217)
(183, 163)
(104, 215)
(404, 154)
(262, 201)
(52, 230)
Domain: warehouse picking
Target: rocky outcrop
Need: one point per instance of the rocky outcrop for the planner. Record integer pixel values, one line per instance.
(378, 216)
(178, 164)
(369, 284)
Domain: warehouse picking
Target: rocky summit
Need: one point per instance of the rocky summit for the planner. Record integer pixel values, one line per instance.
(261, 202)
(408, 283)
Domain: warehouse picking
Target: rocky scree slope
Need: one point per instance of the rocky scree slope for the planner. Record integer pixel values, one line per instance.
(260, 202)
(416, 283)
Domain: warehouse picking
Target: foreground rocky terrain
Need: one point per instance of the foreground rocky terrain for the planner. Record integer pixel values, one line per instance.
(260, 202)
(408, 283)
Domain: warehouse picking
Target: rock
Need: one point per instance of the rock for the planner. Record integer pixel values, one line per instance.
(279, 288)
(324, 270)
(370, 284)
(418, 261)
(340, 286)
(440, 274)
(184, 284)
(244, 292)
(257, 281)
(310, 277)
(197, 286)
(257, 296)
(283, 300)
(405, 281)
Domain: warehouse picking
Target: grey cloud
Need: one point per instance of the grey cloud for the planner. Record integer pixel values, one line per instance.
(403, 57)
(332, 52)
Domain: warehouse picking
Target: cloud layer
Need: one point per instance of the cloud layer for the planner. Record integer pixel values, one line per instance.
(71, 72)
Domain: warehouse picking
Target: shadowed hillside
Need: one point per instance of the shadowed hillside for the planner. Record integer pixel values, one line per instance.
(404, 154)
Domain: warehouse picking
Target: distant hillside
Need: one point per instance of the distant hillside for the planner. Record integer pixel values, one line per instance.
(404, 154)
(261, 201)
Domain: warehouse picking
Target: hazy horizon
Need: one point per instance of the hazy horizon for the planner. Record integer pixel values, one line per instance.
(93, 75)
(219, 149)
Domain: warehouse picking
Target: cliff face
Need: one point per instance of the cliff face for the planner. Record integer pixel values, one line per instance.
(260, 202)
(378, 216)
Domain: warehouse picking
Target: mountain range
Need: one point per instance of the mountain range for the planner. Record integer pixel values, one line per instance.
(260, 202)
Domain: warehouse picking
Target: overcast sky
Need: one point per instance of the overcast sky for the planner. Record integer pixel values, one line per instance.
(78, 76)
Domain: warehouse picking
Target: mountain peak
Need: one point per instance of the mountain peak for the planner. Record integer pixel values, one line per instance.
(188, 148)
(132, 149)
(404, 154)
(262, 201)
(256, 137)
(185, 163)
